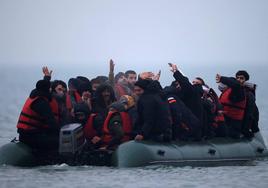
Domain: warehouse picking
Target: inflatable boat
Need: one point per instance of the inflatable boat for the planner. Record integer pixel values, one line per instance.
(214, 152)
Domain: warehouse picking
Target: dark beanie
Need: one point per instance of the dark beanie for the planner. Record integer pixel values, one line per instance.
(81, 107)
(74, 82)
(243, 73)
(83, 79)
(201, 80)
(43, 85)
(102, 79)
(55, 83)
(143, 83)
(84, 87)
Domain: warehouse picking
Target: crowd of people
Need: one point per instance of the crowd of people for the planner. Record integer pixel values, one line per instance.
(124, 106)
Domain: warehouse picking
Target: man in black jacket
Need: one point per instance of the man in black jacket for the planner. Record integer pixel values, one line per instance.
(190, 94)
(37, 125)
(154, 119)
(185, 125)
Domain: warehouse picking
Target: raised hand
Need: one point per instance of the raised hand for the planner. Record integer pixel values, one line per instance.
(111, 65)
(157, 76)
(218, 78)
(139, 137)
(173, 67)
(46, 71)
(146, 75)
(95, 139)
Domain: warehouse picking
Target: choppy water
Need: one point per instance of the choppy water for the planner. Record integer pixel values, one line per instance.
(15, 87)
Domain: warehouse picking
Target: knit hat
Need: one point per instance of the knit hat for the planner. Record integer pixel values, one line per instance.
(83, 79)
(81, 107)
(74, 83)
(55, 83)
(201, 80)
(84, 87)
(142, 83)
(102, 79)
(43, 85)
(243, 73)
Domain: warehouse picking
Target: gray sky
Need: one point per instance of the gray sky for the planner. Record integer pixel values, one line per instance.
(137, 34)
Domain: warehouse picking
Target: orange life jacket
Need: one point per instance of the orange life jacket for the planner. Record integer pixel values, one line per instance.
(69, 103)
(30, 120)
(126, 125)
(232, 110)
(89, 130)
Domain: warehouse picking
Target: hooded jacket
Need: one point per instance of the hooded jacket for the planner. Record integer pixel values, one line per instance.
(154, 117)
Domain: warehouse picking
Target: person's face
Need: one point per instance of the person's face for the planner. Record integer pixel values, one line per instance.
(106, 95)
(80, 117)
(196, 82)
(86, 95)
(60, 90)
(131, 79)
(95, 86)
(241, 79)
(177, 85)
(122, 80)
(138, 91)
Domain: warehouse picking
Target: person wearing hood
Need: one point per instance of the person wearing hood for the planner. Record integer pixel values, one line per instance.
(92, 133)
(96, 82)
(104, 97)
(154, 119)
(38, 124)
(72, 95)
(81, 113)
(185, 125)
(85, 91)
(190, 94)
(118, 124)
(214, 122)
(59, 89)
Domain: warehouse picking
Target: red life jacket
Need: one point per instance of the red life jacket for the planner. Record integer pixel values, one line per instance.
(218, 120)
(219, 117)
(120, 90)
(55, 109)
(69, 104)
(30, 120)
(126, 123)
(89, 130)
(232, 110)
